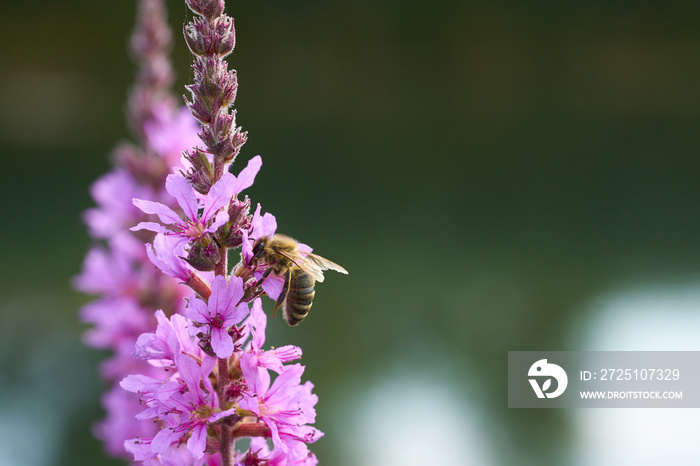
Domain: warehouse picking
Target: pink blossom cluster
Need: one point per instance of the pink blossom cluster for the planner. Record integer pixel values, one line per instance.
(189, 373)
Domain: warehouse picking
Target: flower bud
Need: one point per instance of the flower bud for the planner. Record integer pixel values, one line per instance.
(210, 9)
(239, 138)
(199, 110)
(203, 254)
(201, 175)
(229, 88)
(233, 144)
(230, 234)
(225, 36)
(204, 39)
(199, 36)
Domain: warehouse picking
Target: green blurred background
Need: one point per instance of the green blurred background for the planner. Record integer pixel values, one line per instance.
(495, 175)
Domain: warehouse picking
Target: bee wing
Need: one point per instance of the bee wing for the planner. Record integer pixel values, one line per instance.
(312, 268)
(305, 265)
(325, 264)
(312, 264)
(318, 263)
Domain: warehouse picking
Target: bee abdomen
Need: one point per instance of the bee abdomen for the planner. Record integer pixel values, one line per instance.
(300, 297)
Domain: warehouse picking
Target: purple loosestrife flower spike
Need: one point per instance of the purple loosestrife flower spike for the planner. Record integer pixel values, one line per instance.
(187, 381)
(210, 38)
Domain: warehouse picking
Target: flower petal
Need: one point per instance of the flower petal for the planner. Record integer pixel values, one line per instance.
(198, 441)
(165, 254)
(236, 315)
(222, 414)
(259, 321)
(137, 383)
(199, 311)
(141, 450)
(272, 285)
(291, 377)
(163, 439)
(219, 196)
(183, 192)
(246, 177)
(150, 226)
(262, 225)
(191, 373)
(220, 219)
(246, 248)
(218, 298)
(235, 290)
(221, 342)
(257, 379)
(164, 213)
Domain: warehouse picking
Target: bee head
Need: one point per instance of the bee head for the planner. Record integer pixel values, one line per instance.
(259, 247)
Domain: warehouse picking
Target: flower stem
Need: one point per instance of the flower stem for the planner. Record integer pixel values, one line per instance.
(227, 442)
(221, 267)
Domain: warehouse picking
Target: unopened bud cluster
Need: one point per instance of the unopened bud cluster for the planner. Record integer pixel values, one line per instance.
(210, 38)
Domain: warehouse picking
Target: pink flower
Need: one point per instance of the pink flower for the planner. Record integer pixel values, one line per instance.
(193, 226)
(113, 194)
(171, 335)
(170, 132)
(223, 310)
(271, 359)
(285, 406)
(193, 409)
(166, 253)
(185, 401)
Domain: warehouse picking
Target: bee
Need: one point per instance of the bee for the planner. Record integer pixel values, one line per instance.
(300, 270)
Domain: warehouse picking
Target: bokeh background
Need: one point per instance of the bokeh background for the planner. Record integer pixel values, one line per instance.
(495, 175)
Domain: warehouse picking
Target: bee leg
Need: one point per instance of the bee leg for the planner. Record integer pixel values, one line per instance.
(256, 295)
(283, 294)
(262, 279)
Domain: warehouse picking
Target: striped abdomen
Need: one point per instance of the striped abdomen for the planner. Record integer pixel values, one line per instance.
(300, 296)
